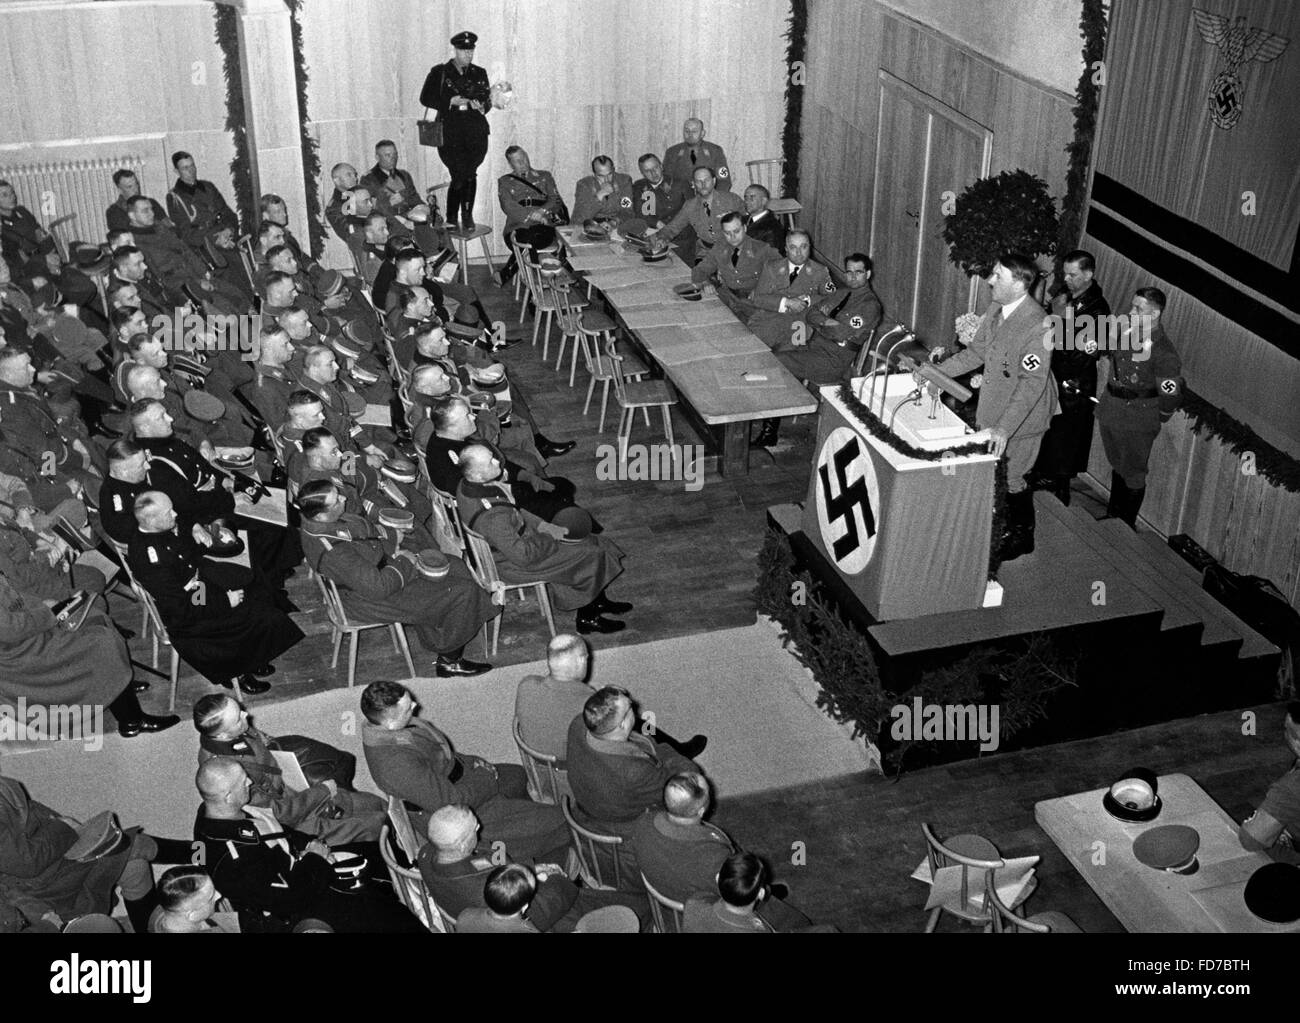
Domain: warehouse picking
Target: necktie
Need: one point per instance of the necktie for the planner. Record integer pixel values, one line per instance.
(708, 213)
(735, 258)
(692, 157)
(793, 274)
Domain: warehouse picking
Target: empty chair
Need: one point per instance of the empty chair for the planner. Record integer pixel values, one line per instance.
(667, 913)
(638, 394)
(1047, 922)
(977, 858)
(768, 173)
(484, 567)
(601, 368)
(546, 782)
(582, 326)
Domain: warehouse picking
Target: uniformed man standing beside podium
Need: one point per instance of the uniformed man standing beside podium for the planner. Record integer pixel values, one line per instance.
(460, 93)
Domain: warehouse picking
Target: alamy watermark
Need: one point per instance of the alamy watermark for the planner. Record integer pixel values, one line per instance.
(209, 332)
(946, 722)
(78, 722)
(1125, 332)
(644, 462)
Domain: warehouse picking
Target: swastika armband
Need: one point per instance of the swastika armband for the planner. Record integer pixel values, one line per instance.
(829, 287)
(1169, 386)
(1030, 362)
(723, 172)
(626, 202)
(856, 322)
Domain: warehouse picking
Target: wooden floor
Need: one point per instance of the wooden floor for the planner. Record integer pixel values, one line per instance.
(862, 834)
(690, 556)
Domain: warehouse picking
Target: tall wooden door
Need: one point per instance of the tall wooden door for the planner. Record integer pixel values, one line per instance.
(926, 154)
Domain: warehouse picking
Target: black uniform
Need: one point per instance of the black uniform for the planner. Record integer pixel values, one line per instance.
(1064, 452)
(464, 131)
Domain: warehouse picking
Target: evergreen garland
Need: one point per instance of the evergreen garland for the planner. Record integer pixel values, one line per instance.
(797, 38)
(311, 169)
(1092, 26)
(227, 31)
(1279, 468)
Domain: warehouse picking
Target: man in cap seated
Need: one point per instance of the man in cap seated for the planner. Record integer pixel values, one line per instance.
(680, 854)
(605, 194)
(381, 581)
(275, 876)
(615, 773)
(577, 565)
(187, 904)
(326, 809)
(464, 881)
(217, 617)
(414, 761)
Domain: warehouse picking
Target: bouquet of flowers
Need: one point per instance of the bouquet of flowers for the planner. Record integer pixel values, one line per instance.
(965, 327)
(502, 95)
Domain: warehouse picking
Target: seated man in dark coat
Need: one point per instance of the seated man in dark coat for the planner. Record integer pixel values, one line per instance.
(220, 622)
(325, 809)
(680, 854)
(455, 867)
(412, 760)
(276, 877)
(380, 582)
(528, 549)
(617, 774)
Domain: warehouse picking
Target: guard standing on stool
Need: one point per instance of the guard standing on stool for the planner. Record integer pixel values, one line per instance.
(459, 91)
(1144, 390)
(1083, 309)
(1018, 396)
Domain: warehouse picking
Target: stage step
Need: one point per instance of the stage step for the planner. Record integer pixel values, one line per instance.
(1180, 615)
(1166, 559)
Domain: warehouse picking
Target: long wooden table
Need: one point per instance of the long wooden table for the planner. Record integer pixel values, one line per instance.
(1149, 900)
(710, 357)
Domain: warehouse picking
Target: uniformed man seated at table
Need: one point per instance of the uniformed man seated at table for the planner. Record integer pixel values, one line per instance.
(414, 761)
(527, 548)
(532, 206)
(327, 809)
(605, 193)
(223, 624)
(732, 267)
(656, 198)
(684, 157)
(702, 213)
(379, 580)
(760, 222)
(680, 854)
(275, 876)
(1275, 825)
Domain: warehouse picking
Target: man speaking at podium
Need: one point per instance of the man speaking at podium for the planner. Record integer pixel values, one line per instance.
(1017, 399)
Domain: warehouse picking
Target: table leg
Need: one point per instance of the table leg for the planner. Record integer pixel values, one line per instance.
(735, 449)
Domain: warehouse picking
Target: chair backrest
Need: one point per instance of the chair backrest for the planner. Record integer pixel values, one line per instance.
(860, 360)
(1004, 920)
(615, 368)
(403, 829)
(484, 564)
(547, 782)
(941, 856)
(568, 314)
(588, 843)
(246, 257)
(143, 595)
(667, 913)
(334, 609)
(395, 368)
(767, 173)
(410, 888)
(446, 504)
(532, 275)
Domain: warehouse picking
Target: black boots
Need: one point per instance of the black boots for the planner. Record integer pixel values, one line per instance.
(1125, 502)
(591, 617)
(548, 448)
(767, 436)
(1018, 534)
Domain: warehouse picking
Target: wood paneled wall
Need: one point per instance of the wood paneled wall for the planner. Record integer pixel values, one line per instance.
(145, 75)
(590, 76)
(848, 42)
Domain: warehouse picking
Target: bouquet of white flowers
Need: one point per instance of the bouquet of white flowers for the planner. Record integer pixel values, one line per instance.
(502, 95)
(965, 327)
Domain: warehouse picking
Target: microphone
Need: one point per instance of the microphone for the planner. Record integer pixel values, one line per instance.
(932, 374)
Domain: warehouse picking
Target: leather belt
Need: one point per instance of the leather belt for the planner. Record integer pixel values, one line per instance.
(1132, 393)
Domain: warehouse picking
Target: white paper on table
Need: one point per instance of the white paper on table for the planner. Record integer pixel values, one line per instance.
(1010, 881)
(272, 509)
(376, 415)
(290, 770)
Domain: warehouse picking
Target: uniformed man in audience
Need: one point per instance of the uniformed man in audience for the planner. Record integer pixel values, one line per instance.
(128, 187)
(682, 159)
(732, 267)
(393, 187)
(272, 384)
(152, 296)
(701, 213)
(1144, 390)
(345, 179)
(760, 222)
(196, 207)
(605, 194)
(32, 426)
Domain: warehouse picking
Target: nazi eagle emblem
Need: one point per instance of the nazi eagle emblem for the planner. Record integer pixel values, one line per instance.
(1239, 45)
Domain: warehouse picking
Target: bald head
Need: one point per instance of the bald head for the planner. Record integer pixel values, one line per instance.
(453, 830)
(144, 382)
(219, 779)
(566, 657)
(476, 463)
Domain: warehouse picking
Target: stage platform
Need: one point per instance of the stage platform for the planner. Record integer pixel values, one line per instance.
(1096, 575)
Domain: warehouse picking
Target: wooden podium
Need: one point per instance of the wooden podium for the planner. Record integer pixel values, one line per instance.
(909, 536)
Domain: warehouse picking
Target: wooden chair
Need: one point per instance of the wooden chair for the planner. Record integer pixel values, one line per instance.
(583, 326)
(587, 845)
(411, 890)
(485, 568)
(542, 285)
(462, 240)
(667, 913)
(521, 257)
(152, 626)
(768, 173)
(342, 625)
(1005, 921)
(641, 394)
(601, 369)
(971, 853)
(403, 830)
(446, 504)
(546, 782)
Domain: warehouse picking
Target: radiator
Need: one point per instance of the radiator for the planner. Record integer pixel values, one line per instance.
(85, 188)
